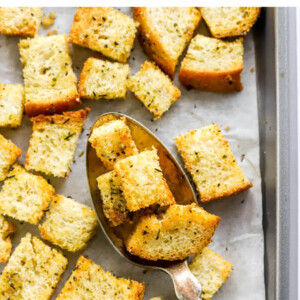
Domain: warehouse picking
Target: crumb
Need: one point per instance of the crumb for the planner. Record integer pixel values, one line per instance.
(252, 70)
(265, 121)
(48, 21)
(239, 146)
(81, 153)
(52, 32)
(242, 201)
(242, 157)
(227, 127)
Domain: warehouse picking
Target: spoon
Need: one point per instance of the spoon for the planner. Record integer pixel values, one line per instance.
(186, 285)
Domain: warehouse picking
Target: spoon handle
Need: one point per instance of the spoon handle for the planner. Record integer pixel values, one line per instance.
(186, 285)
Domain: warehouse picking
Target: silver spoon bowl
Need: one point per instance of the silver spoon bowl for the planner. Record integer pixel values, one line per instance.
(186, 285)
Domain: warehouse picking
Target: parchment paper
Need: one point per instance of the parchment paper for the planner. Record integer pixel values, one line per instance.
(239, 237)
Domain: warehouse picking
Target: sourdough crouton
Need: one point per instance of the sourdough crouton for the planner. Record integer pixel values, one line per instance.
(53, 142)
(6, 229)
(181, 231)
(208, 158)
(69, 224)
(89, 281)
(11, 105)
(9, 153)
(229, 21)
(104, 29)
(25, 196)
(113, 202)
(112, 142)
(23, 21)
(213, 65)
(211, 270)
(142, 181)
(103, 79)
(50, 83)
(154, 89)
(164, 33)
(33, 271)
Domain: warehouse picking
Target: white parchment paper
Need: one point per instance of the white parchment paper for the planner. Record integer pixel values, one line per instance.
(239, 237)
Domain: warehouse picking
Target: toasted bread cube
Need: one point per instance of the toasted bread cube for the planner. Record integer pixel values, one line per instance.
(229, 21)
(152, 87)
(103, 79)
(165, 32)
(6, 229)
(53, 142)
(104, 29)
(9, 153)
(69, 224)
(25, 196)
(142, 181)
(89, 281)
(113, 202)
(213, 65)
(50, 83)
(23, 21)
(11, 105)
(33, 271)
(112, 142)
(181, 231)
(211, 270)
(208, 157)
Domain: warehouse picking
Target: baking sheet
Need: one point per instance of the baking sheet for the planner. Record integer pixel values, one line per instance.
(239, 236)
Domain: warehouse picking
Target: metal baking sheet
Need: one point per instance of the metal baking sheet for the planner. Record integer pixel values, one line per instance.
(239, 237)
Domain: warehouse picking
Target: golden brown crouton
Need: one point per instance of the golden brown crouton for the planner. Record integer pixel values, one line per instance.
(6, 229)
(164, 33)
(181, 231)
(89, 281)
(208, 158)
(104, 29)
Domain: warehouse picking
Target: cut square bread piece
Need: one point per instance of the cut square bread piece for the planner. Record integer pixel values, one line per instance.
(213, 65)
(33, 271)
(22, 21)
(164, 32)
(50, 83)
(9, 153)
(113, 202)
(142, 181)
(11, 105)
(53, 142)
(105, 30)
(25, 196)
(6, 229)
(182, 230)
(229, 21)
(208, 157)
(113, 142)
(103, 79)
(153, 88)
(211, 270)
(90, 281)
(69, 224)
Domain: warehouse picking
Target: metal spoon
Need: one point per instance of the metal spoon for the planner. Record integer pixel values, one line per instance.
(186, 285)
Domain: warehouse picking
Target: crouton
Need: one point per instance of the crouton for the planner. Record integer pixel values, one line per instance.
(11, 105)
(213, 65)
(112, 142)
(229, 21)
(142, 181)
(53, 142)
(181, 231)
(113, 202)
(9, 153)
(152, 87)
(89, 281)
(33, 271)
(25, 196)
(211, 270)
(22, 21)
(6, 229)
(164, 33)
(208, 157)
(50, 83)
(103, 79)
(104, 29)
